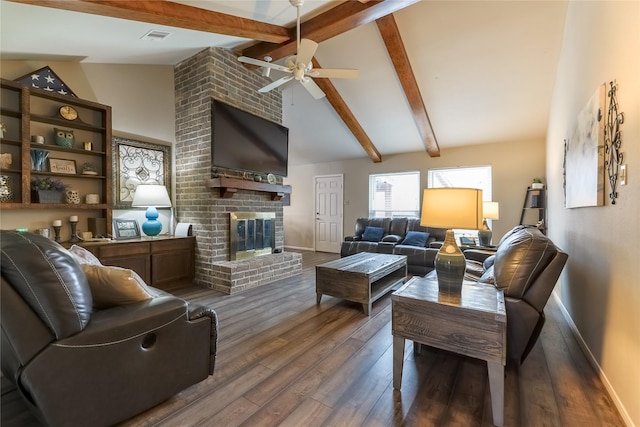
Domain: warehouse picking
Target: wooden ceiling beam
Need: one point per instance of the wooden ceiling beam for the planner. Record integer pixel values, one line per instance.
(347, 116)
(393, 41)
(173, 15)
(335, 21)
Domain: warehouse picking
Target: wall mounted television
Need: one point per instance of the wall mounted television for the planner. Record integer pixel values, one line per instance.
(243, 141)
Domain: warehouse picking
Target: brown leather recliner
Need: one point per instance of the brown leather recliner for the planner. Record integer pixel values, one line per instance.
(525, 266)
(76, 366)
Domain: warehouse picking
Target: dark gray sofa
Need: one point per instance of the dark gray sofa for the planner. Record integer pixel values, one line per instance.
(394, 231)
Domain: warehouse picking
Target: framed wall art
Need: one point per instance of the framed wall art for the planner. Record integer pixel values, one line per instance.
(138, 162)
(584, 156)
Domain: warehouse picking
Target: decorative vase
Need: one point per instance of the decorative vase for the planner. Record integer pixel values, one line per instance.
(537, 186)
(72, 197)
(39, 159)
(6, 194)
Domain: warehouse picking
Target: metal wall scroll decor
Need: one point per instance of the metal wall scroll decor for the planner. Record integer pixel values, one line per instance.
(612, 141)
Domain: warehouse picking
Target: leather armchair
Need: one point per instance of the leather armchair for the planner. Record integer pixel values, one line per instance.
(526, 266)
(74, 365)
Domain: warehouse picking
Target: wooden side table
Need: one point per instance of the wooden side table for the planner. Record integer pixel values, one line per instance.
(472, 324)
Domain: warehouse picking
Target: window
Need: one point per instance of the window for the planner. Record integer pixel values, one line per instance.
(463, 177)
(394, 194)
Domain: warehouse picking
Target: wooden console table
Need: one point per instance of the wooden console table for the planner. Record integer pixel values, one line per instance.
(164, 262)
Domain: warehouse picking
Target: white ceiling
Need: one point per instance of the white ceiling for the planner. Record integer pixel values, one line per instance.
(485, 69)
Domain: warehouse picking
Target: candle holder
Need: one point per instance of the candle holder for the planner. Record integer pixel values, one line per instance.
(74, 234)
(56, 230)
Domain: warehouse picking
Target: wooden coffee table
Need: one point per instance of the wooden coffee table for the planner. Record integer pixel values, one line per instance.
(362, 278)
(473, 324)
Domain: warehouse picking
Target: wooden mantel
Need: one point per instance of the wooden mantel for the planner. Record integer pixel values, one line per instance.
(229, 186)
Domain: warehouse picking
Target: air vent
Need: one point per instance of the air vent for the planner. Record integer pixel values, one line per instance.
(156, 35)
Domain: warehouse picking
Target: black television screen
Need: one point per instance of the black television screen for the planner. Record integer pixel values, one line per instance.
(244, 141)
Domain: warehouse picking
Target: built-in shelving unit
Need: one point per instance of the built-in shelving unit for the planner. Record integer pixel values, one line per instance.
(26, 112)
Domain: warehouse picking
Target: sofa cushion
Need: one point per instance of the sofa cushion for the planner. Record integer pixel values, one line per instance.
(113, 286)
(415, 238)
(83, 256)
(372, 234)
(49, 279)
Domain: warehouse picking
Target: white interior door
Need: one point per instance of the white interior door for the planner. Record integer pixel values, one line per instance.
(328, 207)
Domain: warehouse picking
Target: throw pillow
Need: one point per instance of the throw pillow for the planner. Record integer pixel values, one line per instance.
(373, 234)
(84, 256)
(415, 238)
(113, 286)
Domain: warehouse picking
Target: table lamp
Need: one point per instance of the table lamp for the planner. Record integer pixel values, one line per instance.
(451, 208)
(490, 210)
(151, 196)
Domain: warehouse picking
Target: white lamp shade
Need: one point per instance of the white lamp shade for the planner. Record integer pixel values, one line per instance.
(490, 210)
(151, 195)
(452, 208)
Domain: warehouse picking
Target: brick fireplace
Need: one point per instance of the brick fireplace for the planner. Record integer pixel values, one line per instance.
(216, 73)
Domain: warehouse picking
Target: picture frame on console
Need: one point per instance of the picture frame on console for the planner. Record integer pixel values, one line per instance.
(138, 162)
(124, 229)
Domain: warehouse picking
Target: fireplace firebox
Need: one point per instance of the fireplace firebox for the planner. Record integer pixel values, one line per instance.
(252, 234)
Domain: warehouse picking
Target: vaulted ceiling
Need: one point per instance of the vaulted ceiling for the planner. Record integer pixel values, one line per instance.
(432, 74)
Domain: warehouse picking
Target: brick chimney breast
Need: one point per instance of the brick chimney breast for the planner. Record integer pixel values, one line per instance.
(215, 73)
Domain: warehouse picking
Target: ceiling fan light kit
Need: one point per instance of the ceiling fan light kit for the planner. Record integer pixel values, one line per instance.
(299, 66)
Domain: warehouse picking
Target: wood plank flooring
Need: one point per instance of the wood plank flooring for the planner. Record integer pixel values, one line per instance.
(284, 361)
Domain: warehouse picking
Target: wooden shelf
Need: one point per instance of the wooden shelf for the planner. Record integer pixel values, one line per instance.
(229, 186)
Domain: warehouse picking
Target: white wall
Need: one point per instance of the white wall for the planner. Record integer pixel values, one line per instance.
(514, 165)
(600, 286)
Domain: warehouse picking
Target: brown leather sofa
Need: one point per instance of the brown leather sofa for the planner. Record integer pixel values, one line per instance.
(420, 258)
(526, 266)
(79, 366)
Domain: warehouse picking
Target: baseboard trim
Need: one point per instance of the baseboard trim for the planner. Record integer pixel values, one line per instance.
(299, 248)
(603, 377)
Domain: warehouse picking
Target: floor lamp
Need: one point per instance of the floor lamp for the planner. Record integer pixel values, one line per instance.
(451, 208)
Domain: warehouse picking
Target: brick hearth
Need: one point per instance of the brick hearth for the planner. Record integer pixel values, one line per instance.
(216, 73)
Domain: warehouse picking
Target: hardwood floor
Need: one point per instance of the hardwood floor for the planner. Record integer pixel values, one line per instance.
(283, 361)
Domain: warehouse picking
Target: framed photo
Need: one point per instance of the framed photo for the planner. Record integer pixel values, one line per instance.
(125, 229)
(136, 163)
(62, 166)
(467, 241)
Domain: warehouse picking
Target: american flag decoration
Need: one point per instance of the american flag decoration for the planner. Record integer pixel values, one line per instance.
(47, 80)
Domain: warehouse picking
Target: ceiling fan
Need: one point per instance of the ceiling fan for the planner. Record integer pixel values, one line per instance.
(299, 66)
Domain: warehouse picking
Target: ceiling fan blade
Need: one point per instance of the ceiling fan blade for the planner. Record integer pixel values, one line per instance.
(312, 88)
(259, 63)
(306, 52)
(342, 73)
(275, 84)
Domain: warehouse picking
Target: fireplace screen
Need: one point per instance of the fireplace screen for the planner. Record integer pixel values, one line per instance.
(252, 234)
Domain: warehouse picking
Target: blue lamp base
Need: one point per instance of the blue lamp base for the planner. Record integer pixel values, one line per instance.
(152, 227)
